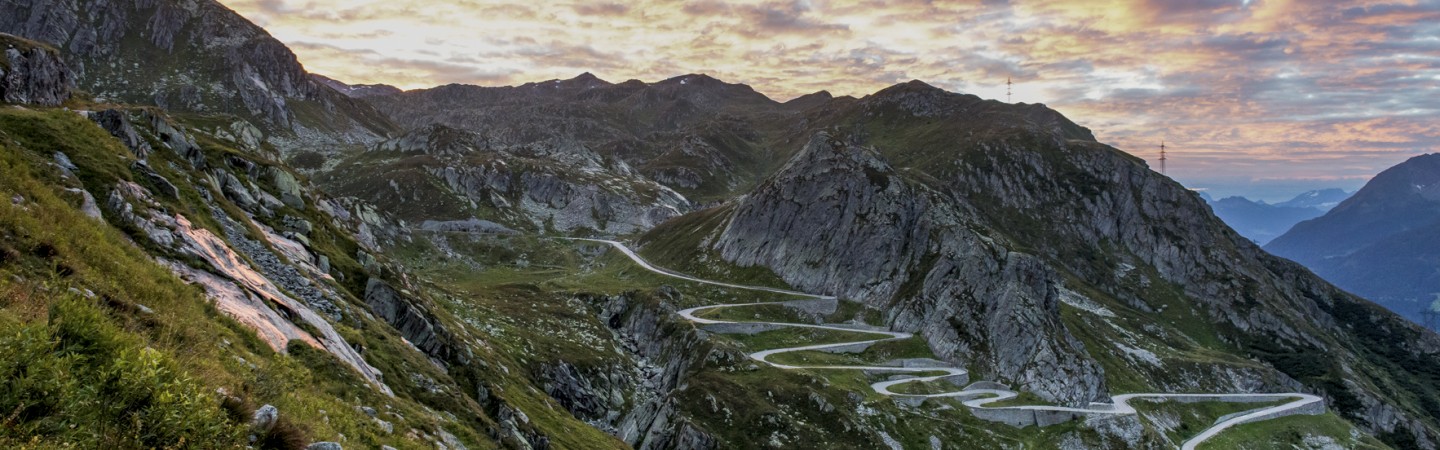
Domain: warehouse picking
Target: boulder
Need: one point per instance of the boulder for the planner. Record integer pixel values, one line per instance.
(288, 187)
(414, 323)
(117, 122)
(265, 418)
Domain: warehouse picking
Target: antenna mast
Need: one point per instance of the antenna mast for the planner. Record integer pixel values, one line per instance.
(1162, 157)
(1429, 316)
(1009, 85)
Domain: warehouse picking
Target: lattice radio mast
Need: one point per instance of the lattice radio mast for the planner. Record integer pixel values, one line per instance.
(1162, 157)
(1009, 89)
(1428, 317)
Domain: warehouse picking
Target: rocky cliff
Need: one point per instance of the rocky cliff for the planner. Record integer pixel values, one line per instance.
(198, 57)
(839, 220)
(33, 73)
(982, 233)
(445, 175)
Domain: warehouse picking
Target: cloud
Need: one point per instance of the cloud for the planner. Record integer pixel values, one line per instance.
(601, 9)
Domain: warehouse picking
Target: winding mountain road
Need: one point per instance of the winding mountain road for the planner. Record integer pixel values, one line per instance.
(974, 396)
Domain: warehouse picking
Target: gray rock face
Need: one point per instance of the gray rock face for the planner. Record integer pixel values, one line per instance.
(163, 186)
(118, 124)
(324, 446)
(555, 184)
(907, 249)
(666, 355)
(31, 73)
(111, 45)
(289, 188)
(175, 138)
(413, 322)
(236, 191)
(466, 226)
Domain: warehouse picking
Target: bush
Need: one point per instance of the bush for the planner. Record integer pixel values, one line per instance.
(79, 380)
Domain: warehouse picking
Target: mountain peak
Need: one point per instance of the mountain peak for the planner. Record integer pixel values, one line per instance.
(695, 79)
(585, 80)
(356, 90)
(810, 100)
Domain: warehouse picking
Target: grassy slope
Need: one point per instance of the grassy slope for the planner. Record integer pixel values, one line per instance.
(1192, 418)
(1292, 432)
(173, 359)
(681, 244)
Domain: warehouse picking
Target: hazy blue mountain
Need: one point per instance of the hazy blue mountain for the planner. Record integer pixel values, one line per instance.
(1383, 243)
(1261, 222)
(1322, 199)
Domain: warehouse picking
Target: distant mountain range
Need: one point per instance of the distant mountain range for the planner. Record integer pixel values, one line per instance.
(1383, 243)
(1262, 222)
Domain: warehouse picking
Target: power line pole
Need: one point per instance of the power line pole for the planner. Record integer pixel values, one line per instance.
(1162, 157)
(1429, 315)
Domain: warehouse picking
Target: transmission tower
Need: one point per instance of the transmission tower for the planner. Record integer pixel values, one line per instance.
(1009, 89)
(1428, 319)
(1162, 157)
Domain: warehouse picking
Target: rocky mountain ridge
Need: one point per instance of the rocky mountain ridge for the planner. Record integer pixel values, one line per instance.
(883, 237)
(200, 57)
(1106, 229)
(1263, 222)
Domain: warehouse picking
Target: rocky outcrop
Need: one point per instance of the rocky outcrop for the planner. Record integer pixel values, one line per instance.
(117, 122)
(32, 73)
(907, 249)
(637, 403)
(417, 325)
(228, 65)
(559, 185)
(238, 289)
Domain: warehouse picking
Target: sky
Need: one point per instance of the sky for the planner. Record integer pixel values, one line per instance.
(1263, 98)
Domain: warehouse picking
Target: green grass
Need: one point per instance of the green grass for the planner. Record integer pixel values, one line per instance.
(1023, 399)
(926, 387)
(1193, 418)
(680, 245)
(185, 346)
(878, 353)
(1290, 432)
(796, 337)
(756, 313)
(78, 379)
(845, 311)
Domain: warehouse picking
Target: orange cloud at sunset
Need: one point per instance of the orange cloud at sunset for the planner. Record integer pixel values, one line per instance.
(1248, 92)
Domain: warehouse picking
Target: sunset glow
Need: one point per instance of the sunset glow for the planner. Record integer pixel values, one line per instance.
(1262, 97)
